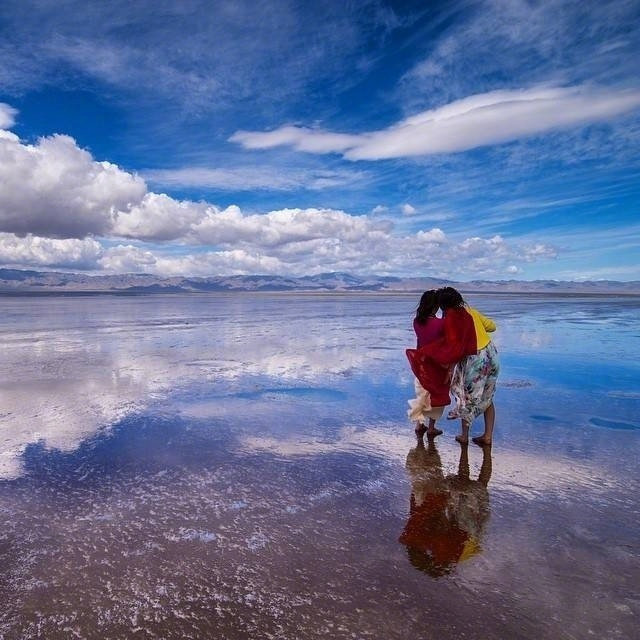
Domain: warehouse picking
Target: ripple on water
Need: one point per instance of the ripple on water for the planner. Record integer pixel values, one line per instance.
(613, 424)
(319, 394)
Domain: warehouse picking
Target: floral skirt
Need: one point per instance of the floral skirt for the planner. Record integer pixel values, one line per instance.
(474, 383)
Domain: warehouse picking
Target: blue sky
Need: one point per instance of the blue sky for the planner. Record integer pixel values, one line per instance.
(466, 140)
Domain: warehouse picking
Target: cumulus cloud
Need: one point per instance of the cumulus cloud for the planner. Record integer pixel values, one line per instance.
(408, 210)
(361, 248)
(127, 259)
(56, 189)
(478, 120)
(34, 251)
(368, 250)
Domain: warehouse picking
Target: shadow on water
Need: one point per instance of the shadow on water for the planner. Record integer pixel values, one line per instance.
(447, 514)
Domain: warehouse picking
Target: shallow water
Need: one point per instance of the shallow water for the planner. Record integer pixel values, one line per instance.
(240, 466)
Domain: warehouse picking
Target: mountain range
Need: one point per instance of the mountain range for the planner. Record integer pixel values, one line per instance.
(23, 281)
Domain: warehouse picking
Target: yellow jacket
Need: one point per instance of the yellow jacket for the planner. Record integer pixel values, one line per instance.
(483, 327)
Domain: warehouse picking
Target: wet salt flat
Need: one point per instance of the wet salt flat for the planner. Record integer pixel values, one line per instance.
(240, 466)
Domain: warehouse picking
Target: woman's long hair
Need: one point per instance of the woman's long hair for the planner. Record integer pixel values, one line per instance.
(450, 298)
(427, 307)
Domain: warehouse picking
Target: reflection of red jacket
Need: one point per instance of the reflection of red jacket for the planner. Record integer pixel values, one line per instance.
(430, 530)
(429, 363)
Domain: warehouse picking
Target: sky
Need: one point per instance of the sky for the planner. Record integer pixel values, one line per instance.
(495, 139)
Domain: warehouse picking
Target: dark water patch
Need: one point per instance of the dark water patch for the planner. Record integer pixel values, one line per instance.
(139, 445)
(613, 424)
(542, 418)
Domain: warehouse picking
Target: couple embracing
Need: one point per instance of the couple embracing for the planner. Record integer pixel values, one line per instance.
(454, 354)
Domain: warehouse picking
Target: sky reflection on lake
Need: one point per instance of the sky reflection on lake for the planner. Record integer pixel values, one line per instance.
(240, 466)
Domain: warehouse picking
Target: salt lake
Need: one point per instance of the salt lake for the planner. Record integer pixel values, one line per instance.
(240, 465)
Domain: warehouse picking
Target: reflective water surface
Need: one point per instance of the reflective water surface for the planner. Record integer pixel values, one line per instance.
(240, 466)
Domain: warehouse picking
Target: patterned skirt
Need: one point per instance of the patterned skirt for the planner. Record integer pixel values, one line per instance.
(474, 383)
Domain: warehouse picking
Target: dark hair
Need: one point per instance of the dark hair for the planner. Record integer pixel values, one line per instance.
(428, 306)
(424, 561)
(449, 298)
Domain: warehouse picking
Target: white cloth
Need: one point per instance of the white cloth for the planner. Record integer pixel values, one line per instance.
(420, 409)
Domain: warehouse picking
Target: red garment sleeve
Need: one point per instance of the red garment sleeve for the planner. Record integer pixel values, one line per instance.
(459, 339)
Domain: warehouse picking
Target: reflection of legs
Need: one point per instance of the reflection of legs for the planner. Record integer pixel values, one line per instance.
(463, 465)
(485, 470)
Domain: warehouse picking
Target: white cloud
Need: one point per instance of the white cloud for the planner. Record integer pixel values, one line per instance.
(54, 188)
(7, 116)
(367, 250)
(408, 210)
(363, 248)
(475, 121)
(537, 251)
(34, 251)
(300, 138)
(159, 217)
(127, 259)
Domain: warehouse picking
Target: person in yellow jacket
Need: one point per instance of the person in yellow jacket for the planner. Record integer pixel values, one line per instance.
(474, 378)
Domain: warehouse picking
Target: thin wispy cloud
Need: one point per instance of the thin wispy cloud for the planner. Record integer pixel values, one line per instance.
(480, 120)
(252, 178)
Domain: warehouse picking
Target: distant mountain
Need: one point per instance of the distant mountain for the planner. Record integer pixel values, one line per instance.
(20, 282)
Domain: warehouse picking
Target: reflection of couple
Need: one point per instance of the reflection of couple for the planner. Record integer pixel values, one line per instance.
(453, 353)
(446, 514)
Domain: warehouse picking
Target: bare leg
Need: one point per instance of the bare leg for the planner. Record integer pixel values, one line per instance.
(489, 421)
(463, 438)
(420, 429)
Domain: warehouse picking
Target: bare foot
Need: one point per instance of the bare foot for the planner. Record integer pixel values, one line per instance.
(432, 433)
(462, 440)
(420, 429)
(481, 441)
